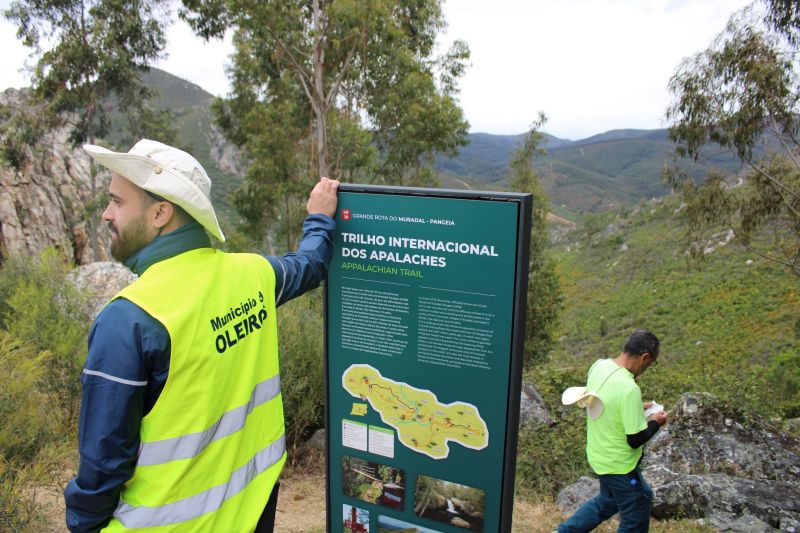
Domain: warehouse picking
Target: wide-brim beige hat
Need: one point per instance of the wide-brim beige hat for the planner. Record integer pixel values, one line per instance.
(167, 172)
(584, 398)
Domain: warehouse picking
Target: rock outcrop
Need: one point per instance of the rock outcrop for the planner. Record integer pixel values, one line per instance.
(736, 471)
(42, 203)
(532, 409)
(100, 282)
(226, 155)
(575, 495)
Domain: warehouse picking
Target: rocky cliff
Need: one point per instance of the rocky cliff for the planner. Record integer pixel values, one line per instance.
(45, 197)
(43, 202)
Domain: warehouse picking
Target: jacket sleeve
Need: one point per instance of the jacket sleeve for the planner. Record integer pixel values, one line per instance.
(638, 439)
(118, 386)
(303, 270)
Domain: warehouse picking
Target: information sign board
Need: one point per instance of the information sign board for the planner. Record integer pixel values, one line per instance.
(424, 308)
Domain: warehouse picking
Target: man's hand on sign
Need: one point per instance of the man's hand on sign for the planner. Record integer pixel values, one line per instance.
(323, 197)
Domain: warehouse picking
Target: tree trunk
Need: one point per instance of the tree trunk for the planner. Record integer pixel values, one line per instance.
(92, 204)
(319, 103)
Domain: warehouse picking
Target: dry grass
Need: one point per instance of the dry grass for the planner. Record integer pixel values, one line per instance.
(301, 500)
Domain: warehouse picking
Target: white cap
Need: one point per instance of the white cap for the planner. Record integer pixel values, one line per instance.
(167, 172)
(584, 398)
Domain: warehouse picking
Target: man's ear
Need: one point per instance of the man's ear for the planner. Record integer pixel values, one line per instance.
(162, 214)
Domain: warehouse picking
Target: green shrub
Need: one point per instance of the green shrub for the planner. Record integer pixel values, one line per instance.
(550, 458)
(18, 511)
(784, 381)
(302, 368)
(27, 419)
(28, 426)
(39, 306)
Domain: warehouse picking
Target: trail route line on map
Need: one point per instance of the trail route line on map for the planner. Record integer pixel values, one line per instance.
(423, 424)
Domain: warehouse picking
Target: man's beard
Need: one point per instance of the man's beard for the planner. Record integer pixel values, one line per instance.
(130, 240)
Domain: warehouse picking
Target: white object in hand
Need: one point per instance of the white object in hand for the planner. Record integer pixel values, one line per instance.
(653, 409)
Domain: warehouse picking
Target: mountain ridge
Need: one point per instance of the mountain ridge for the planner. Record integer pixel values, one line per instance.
(597, 173)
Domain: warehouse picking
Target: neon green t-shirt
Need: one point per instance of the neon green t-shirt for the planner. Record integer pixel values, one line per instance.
(607, 446)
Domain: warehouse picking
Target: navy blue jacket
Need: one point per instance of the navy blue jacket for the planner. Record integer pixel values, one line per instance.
(128, 364)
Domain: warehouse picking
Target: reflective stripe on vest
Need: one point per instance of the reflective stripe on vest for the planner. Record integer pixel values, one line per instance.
(205, 502)
(185, 446)
(213, 444)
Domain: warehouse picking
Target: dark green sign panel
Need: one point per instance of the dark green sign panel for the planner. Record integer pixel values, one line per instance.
(425, 305)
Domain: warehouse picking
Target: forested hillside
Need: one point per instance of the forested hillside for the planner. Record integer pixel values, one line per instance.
(729, 325)
(599, 173)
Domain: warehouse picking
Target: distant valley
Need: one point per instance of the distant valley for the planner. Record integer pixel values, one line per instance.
(619, 167)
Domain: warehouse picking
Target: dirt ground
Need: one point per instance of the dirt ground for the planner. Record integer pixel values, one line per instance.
(301, 502)
(301, 507)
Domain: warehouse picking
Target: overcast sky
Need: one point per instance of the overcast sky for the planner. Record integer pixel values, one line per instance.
(590, 65)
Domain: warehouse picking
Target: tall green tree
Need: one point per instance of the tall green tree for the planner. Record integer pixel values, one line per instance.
(544, 300)
(354, 87)
(90, 53)
(741, 94)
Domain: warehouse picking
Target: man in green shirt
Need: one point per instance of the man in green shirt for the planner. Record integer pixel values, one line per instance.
(615, 435)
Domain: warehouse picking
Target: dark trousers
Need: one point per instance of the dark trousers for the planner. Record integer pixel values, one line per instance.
(627, 494)
(266, 524)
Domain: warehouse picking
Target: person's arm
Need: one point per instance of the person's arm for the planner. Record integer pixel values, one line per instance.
(638, 439)
(303, 270)
(299, 272)
(117, 391)
(654, 423)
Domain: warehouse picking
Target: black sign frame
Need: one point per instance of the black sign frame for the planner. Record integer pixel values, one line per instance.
(524, 211)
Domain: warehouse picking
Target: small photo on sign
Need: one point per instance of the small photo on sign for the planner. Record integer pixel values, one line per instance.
(387, 524)
(354, 519)
(373, 482)
(450, 503)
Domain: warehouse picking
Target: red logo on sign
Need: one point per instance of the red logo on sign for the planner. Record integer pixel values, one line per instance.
(345, 214)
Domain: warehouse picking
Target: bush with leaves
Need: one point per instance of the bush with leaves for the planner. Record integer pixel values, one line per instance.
(544, 298)
(38, 305)
(549, 458)
(27, 419)
(784, 380)
(301, 354)
(29, 424)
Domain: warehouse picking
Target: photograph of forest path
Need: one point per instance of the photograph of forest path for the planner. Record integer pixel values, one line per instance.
(373, 482)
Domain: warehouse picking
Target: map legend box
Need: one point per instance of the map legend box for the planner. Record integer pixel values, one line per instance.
(354, 435)
(381, 441)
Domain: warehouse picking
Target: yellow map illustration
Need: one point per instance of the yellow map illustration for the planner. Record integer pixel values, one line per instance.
(422, 423)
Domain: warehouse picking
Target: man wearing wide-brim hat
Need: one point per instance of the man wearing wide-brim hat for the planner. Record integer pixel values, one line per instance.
(618, 424)
(181, 425)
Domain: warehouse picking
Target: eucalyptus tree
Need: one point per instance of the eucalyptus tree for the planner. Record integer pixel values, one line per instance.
(88, 54)
(742, 94)
(544, 300)
(340, 88)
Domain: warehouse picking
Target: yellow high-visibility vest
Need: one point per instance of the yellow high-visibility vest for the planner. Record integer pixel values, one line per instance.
(212, 446)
